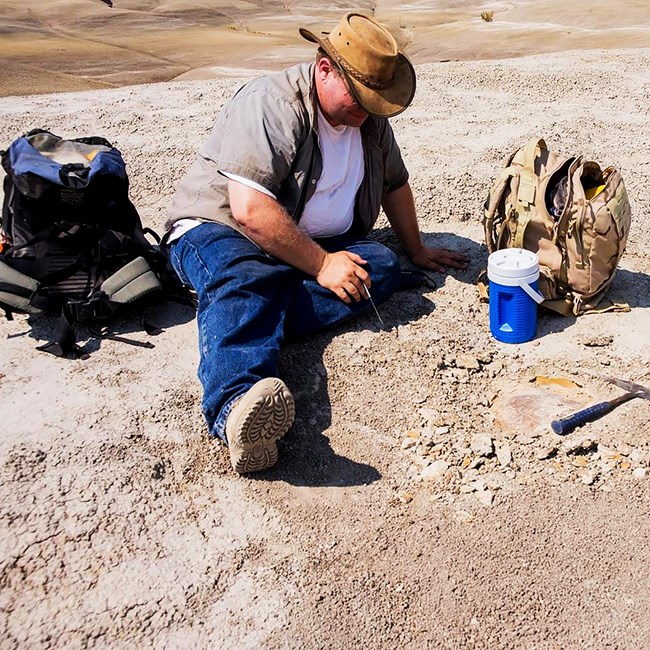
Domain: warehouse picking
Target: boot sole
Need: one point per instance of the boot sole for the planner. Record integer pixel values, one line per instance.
(264, 415)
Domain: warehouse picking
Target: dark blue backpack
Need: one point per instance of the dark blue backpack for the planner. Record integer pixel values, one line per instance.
(73, 243)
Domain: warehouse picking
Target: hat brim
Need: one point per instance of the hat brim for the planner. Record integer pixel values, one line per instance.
(385, 102)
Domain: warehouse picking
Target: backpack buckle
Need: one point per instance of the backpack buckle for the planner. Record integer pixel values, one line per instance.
(94, 310)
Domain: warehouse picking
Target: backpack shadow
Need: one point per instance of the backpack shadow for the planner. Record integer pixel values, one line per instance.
(130, 329)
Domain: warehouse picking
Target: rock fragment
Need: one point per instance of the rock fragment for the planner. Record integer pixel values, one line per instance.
(547, 452)
(482, 444)
(435, 471)
(467, 361)
(579, 445)
(504, 455)
(587, 476)
(639, 472)
(486, 497)
(596, 341)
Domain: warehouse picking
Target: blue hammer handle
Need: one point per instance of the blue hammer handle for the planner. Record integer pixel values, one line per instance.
(569, 423)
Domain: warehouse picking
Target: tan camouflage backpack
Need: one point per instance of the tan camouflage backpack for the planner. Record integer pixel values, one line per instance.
(573, 214)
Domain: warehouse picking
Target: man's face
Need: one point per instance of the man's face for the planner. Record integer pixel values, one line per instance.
(335, 97)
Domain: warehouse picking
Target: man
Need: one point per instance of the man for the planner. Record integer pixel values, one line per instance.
(269, 224)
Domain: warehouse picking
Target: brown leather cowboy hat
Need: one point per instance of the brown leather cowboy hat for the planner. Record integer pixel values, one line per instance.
(381, 78)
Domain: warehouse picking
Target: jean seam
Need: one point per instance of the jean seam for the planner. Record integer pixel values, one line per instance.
(178, 267)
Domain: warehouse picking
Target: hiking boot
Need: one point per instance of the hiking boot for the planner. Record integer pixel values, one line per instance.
(256, 422)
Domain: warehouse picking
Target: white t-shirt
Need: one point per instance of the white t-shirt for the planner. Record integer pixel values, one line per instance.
(330, 210)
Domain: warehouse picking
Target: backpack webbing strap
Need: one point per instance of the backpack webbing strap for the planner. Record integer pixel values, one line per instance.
(527, 188)
(492, 239)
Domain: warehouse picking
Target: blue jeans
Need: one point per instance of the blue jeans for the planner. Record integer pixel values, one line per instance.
(248, 300)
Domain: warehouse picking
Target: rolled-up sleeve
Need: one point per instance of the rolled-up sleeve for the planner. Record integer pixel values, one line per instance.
(260, 141)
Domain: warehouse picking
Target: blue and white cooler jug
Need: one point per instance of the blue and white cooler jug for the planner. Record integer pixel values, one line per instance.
(513, 275)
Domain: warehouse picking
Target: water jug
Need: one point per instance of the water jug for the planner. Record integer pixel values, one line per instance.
(513, 275)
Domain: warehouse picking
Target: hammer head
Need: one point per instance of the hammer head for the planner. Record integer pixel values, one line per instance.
(631, 387)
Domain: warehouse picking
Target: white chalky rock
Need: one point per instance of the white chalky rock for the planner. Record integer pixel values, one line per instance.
(587, 476)
(435, 471)
(639, 472)
(482, 444)
(485, 497)
(504, 455)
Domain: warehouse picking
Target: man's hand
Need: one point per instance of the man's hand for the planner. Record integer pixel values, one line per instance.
(400, 210)
(343, 274)
(438, 259)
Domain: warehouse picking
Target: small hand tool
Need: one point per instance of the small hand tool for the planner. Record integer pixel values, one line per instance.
(569, 423)
(372, 302)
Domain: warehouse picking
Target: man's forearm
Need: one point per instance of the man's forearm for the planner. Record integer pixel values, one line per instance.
(400, 210)
(399, 207)
(269, 225)
(266, 223)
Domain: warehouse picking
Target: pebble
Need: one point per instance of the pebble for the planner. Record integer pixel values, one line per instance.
(587, 476)
(608, 454)
(484, 496)
(547, 452)
(624, 448)
(639, 472)
(504, 455)
(407, 443)
(526, 439)
(605, 467)
(476, 463)
(584, 443)
(405, 497)
(464, 516)
(636, 455)
(597, 341)
(482, 444)
(435, 471)
(441, 431)
(467, 361)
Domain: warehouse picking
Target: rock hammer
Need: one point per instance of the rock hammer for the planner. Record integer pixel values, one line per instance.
(569, 423)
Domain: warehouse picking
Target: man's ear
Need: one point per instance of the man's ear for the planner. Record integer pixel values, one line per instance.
(324, 68)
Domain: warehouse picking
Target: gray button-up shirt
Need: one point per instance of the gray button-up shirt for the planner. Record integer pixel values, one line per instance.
(268, 133)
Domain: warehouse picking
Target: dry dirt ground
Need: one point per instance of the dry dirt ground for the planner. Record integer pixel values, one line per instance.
(417, 503)
(84, 44)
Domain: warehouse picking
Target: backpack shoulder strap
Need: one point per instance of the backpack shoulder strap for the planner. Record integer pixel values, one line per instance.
(527, 186)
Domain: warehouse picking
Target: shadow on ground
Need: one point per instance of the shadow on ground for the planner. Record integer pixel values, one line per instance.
(130, 329)
(306, 456)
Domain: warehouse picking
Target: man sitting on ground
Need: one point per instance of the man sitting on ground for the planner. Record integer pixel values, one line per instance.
(269, 224)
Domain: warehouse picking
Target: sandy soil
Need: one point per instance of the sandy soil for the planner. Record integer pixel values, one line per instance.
(122, 524)
(72, 44)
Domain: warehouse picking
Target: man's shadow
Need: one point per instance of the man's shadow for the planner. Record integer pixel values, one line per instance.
(306, 456)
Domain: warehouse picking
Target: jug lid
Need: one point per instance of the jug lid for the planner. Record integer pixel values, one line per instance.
(513, 263)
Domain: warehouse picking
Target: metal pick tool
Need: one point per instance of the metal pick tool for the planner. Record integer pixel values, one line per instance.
(372, 302)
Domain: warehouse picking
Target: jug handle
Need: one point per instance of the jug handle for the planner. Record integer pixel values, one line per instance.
(535, 295)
